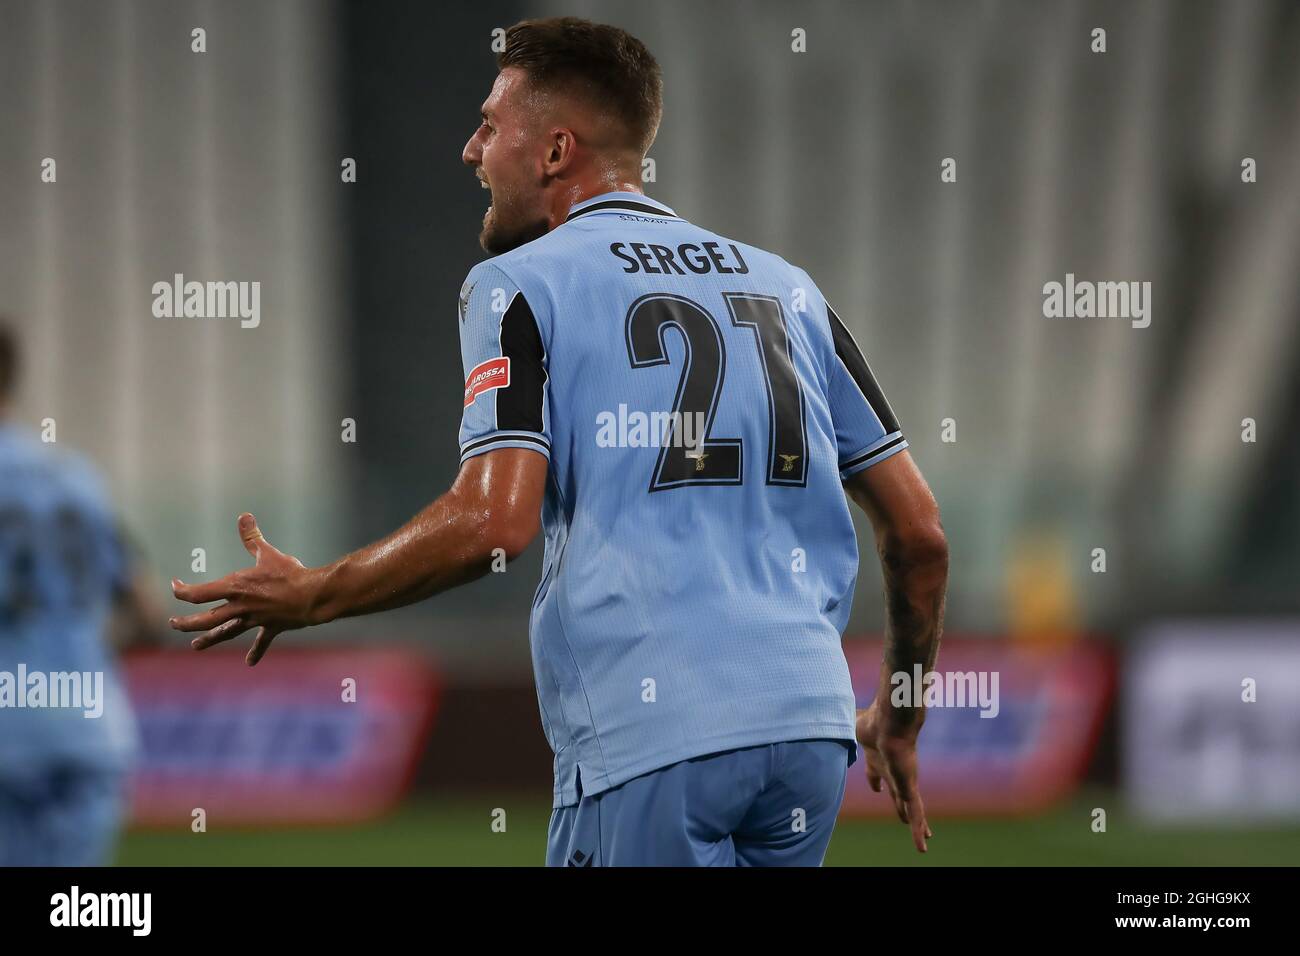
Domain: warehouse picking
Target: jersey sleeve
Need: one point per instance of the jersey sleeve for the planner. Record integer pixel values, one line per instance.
(866, 429)
(504, 358)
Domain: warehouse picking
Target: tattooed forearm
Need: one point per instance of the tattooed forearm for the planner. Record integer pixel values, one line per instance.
(913, 552)
(915, 590)
(912, 631)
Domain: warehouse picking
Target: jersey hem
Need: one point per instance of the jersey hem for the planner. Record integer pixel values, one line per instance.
(567, 796)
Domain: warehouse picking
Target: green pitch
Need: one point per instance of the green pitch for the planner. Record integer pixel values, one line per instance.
(459, 832)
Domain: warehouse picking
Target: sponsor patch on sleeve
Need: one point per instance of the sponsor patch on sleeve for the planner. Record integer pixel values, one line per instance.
(494, 373)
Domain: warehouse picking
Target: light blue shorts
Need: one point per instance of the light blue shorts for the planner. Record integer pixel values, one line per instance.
(772, 805)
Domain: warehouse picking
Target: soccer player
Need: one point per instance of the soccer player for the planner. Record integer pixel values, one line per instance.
(683, 414)
(65, 587)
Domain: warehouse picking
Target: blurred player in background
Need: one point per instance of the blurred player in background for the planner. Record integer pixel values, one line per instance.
(66, 592)
(697, 580)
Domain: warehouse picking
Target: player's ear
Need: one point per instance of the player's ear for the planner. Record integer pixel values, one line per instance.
(560, 152)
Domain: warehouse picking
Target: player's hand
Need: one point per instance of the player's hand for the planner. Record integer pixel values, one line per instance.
(890, 752)
(276, 594)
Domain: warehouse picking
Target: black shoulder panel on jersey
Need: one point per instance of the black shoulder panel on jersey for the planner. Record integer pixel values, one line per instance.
(856, 363)
(519, 405)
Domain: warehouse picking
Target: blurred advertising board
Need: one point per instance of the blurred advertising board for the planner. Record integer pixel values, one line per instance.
(1009, 728)
(307, 736)
(1212, 722)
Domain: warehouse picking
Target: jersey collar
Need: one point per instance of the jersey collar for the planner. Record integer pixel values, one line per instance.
(630, 202)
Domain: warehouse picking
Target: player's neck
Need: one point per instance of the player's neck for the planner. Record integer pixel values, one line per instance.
(578, 191)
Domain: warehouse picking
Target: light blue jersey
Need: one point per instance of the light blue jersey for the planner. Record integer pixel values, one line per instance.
(61, 564)
(699, 404)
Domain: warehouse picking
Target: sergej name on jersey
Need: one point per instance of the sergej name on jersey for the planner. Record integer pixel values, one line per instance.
(697, 258)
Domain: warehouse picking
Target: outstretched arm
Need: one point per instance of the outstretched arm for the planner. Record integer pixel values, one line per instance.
(914, 557)
(495, 503)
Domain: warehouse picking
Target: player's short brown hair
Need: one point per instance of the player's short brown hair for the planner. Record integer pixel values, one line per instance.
(609, 66)
(8, 359)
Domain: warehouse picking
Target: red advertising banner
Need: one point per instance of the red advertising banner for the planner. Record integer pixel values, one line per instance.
(307, 736)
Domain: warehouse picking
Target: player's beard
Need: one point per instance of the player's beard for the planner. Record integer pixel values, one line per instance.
(503, 230)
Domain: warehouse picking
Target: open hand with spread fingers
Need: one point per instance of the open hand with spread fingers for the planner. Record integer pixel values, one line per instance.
(276, 594)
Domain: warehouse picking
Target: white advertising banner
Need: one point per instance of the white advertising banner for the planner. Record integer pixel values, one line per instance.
(1212, 722)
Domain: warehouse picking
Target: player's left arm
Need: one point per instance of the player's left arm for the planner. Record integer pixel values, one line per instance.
(492, 508)
(880, 476)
